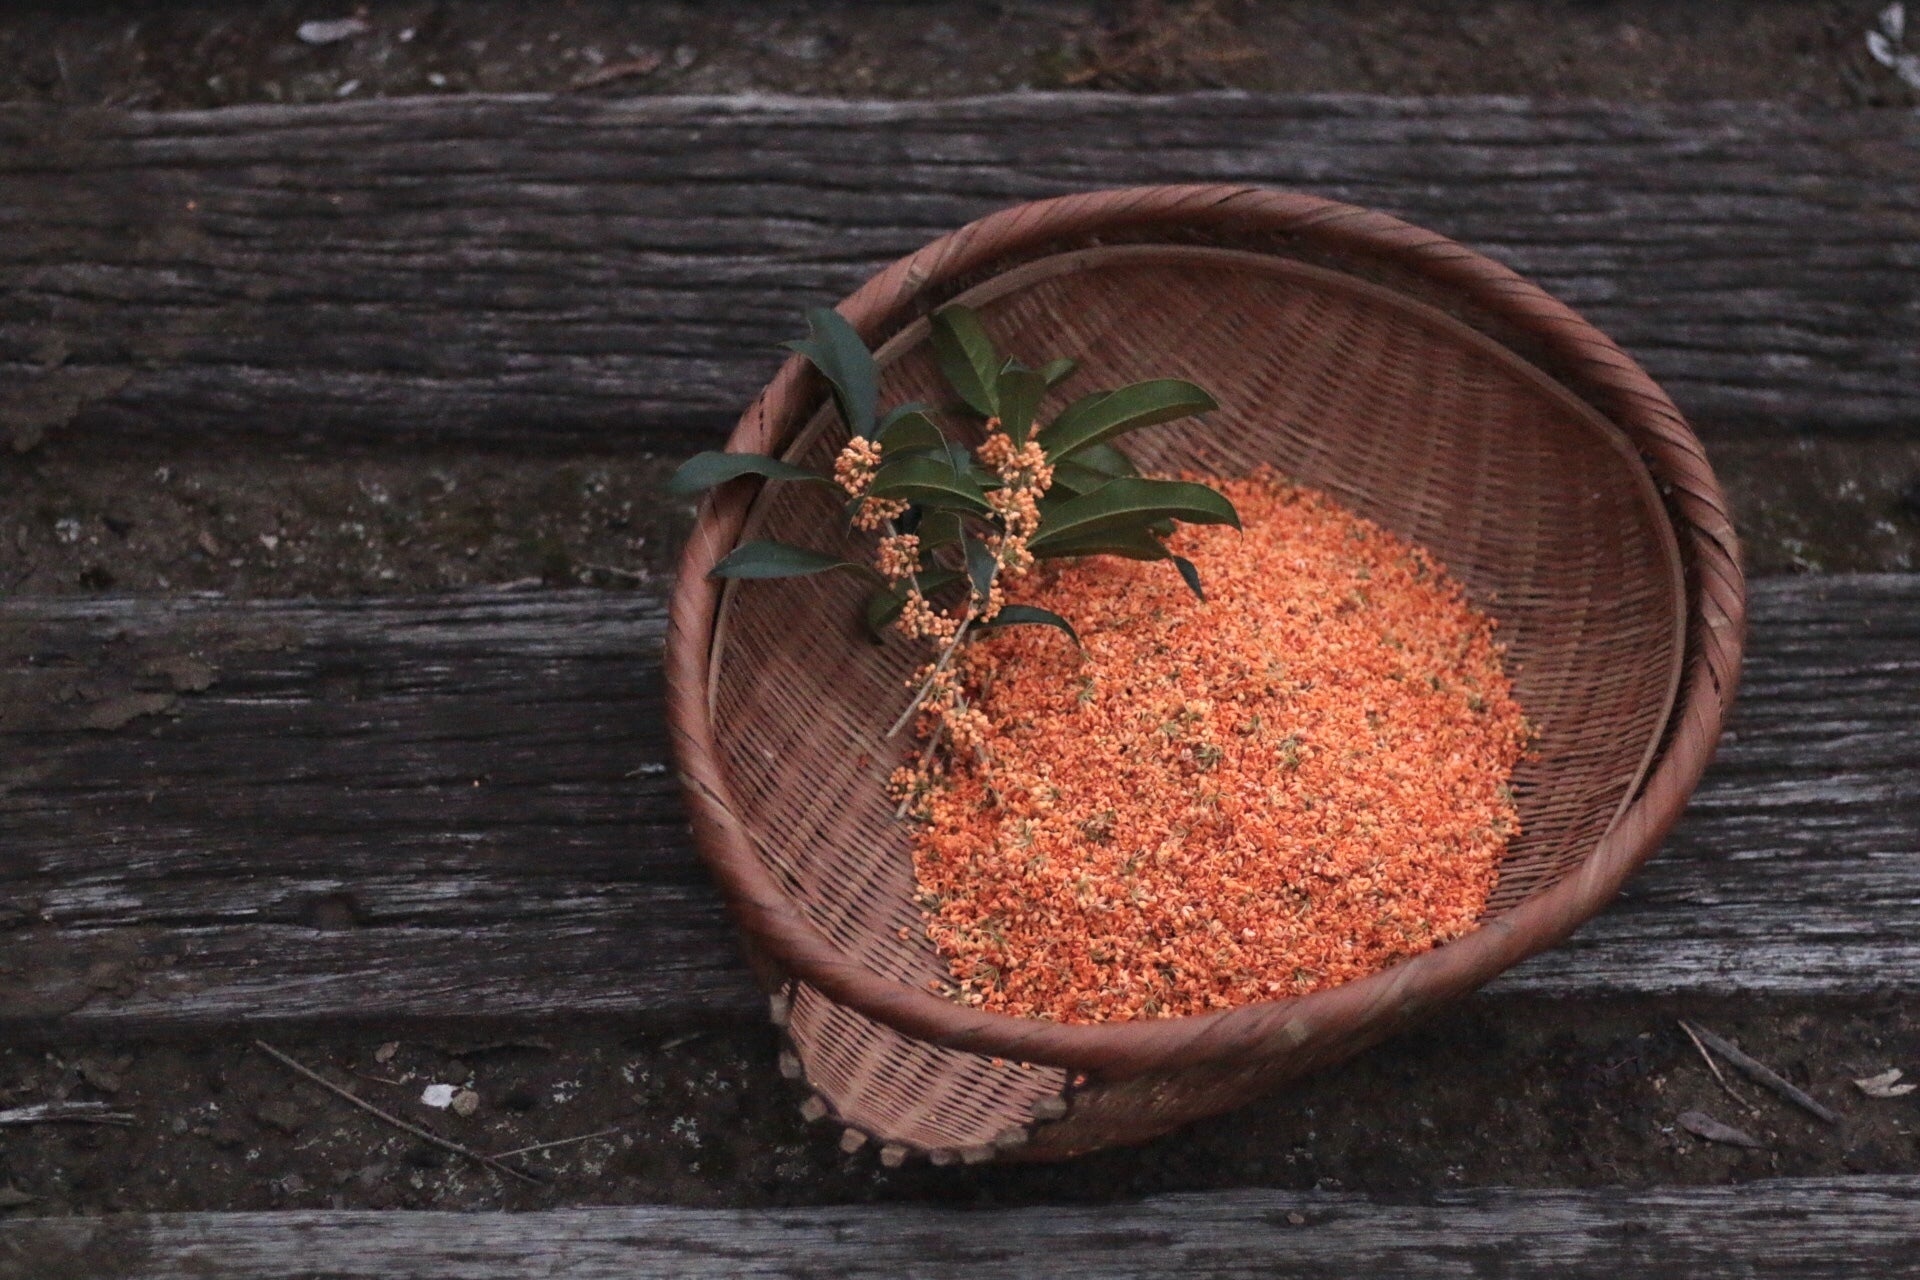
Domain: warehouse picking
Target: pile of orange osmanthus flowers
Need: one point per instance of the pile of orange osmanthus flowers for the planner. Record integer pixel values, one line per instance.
(1294, 783)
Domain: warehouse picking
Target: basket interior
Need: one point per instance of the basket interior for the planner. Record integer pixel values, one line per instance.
(1412, 419)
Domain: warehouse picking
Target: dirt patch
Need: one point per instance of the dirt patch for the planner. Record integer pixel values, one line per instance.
(96, 515)
(243, 519)
(207, 54)
(1500, 1092)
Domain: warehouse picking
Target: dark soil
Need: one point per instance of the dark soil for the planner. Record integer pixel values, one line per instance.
(90, 515)
(1500, 1092)
(174, 55)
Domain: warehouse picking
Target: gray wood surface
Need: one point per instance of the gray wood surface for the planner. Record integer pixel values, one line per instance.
(461, 807)
(1835, 1227)
(511, 267)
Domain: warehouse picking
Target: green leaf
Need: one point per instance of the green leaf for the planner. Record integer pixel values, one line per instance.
(1190, 574)
(939, 529)
(909, 432)
(884, 605)
(900, 411)
(836, 350)
(1131, 544)
(1056, 372)
(967, 359)
(780, 560)
(1103, 415)
(703, 471)
(980, 567)
(1105, 459)
(930, 481)
(1019, 392)
(1129, 503)
(1021, 615)
(1072, 479)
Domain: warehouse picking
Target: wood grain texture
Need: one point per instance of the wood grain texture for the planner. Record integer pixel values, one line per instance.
(508, 268)
(460, 807)
(1830, 1227)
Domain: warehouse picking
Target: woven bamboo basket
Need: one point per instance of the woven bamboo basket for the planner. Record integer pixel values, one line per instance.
(1425, 386)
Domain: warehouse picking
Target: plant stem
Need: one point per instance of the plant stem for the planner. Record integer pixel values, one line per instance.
(946, 656)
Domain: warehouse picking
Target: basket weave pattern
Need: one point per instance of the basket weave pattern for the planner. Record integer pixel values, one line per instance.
(1425, 387)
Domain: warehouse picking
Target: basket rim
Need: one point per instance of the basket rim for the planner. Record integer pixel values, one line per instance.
(1716, 610)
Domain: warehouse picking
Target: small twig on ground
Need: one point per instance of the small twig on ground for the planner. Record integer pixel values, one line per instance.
(425, 1135)
(547, 1146)
(641, 66)
(615, 571)
(685, 1037)
(1715, 1068)
(398, 1084)
(1761, 1074)
(64, 1113)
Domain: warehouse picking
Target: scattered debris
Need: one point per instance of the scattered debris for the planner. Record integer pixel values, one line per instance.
(1761, 1074)
(641, 66)
(465, 1103)
(280, 1114)
(63, 1113)
(1885, 1085)
(548, 1146)
(1887, 45)
(1715, 1068)
(384, 1054)
(332, 30)
(426, 1135)
(99, 1076)
(438, 1096)
(1702, 1125)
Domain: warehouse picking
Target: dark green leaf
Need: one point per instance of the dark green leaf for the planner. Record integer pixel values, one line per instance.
(980, 567)
(1056, 372)
(931, 481)
(1132, 544)
(1190, 574)
(1020, 391)
(909, 432)
(967, 359)
(900, 411)
(939, 529)
(1130, 503)
(780, 560)
(1019, 615)
(1105, 459)
(1103, 415)
(703, 471)
(1070, 479)
(836, 350)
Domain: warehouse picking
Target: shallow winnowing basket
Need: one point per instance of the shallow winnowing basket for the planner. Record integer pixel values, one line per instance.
(1423, 385)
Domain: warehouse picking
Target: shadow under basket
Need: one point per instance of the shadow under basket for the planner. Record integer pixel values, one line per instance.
(1424, 386)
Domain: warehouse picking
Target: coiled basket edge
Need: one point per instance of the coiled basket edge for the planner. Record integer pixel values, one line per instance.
(817, 889)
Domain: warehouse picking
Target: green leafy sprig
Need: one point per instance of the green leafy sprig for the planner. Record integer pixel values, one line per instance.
(955, 518)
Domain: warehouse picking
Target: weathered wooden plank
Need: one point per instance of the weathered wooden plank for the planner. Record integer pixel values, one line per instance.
(505, 267)
(461, 807)
(1825, 1227)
